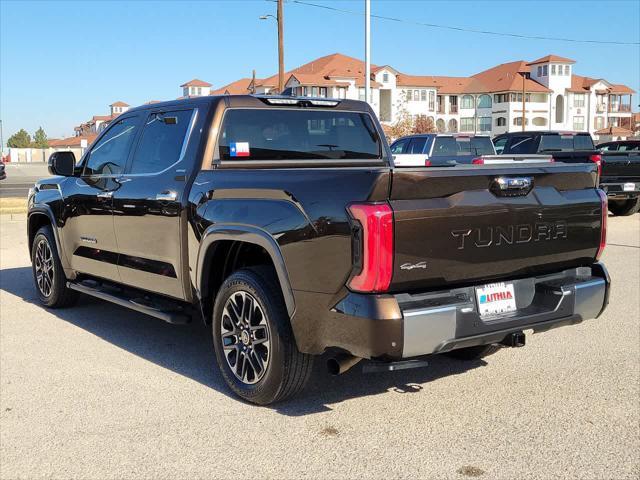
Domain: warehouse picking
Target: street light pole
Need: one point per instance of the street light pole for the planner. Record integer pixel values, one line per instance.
(367, 50)
(280, 20)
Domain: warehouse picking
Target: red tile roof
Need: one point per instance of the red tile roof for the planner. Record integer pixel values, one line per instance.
(506, 78)
(619, 88)
(195, 83)
(623, 132)
(119, 104)
(71, 141)
(552, 59)
(239, 87)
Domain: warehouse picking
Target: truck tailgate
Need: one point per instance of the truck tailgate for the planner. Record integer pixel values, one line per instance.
(456, 226)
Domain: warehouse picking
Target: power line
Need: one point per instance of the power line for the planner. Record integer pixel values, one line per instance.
(462, 29)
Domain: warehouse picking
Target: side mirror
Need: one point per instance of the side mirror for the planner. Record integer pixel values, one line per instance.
(62, 163)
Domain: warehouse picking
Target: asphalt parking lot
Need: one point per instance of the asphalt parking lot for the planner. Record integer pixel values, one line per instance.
(99, 392)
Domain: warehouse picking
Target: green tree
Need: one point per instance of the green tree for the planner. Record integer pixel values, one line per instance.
(20, 139)
(40, 139)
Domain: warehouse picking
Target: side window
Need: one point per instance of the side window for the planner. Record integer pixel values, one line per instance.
(417, 145)
(109, 155)
(520, 145)
(162, 138)
(499, 144)
(400, 147)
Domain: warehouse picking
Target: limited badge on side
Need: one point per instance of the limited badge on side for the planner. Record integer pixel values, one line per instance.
(239, 149)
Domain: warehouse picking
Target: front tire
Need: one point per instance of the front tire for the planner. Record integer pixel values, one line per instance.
(254, 344)
(624, 208)
(48, 275)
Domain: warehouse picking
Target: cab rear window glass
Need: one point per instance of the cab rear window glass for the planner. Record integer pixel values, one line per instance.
(270, 134)
(565, 143)
(447, 146)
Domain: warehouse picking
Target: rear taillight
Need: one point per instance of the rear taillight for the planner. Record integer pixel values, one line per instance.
(603, 224)
(477, 161)
(597, 159)
(374, 248)
(427, 163)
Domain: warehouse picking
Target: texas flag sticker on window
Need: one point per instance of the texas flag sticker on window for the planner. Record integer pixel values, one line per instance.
(239, 149)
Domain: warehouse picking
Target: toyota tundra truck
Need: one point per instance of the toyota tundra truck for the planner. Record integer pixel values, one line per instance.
(282, 223)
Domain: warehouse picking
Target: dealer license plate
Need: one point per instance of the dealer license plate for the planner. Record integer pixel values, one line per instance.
(629, 187)
(496, 299)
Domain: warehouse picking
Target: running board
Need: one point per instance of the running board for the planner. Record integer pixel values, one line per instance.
(178, 318)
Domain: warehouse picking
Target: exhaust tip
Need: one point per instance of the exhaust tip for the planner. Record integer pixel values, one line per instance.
(341, 363)
(333, 366)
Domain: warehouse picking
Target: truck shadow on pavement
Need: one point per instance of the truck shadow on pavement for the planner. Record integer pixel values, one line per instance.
(187, 350)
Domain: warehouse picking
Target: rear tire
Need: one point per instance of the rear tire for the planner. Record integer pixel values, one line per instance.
(624, 208)
(473, 353)
(48, 275)
(254, 344)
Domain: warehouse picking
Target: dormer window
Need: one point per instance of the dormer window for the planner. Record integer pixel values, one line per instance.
(566, 70)
(385, 77)
(539, 70)
(553, 69)
(545, 70)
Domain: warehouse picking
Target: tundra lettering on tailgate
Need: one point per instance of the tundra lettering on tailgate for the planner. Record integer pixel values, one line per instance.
(508, 235)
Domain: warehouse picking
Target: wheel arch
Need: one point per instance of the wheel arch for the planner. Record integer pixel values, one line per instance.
(219, 242)
(39, 216)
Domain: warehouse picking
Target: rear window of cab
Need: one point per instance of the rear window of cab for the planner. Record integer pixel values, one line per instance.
(301, 134)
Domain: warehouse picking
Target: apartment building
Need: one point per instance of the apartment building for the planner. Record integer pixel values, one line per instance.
(488, 102)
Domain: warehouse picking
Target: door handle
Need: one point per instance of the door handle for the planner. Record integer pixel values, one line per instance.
(105, 194)
(167, 196)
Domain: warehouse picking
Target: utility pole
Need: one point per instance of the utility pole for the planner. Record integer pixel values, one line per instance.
(367, 50)
(280, 20)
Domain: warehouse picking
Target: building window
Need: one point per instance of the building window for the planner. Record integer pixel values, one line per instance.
(484, 101)
(361, 94)
(385, 77)
(199, 90)
(423, 95)
(501, 98)
(559, 109)
(323, 92)
(466, 102)
(432, 101)
(409, 95)
(540, 122)
(578, 100)
(599, 123)
(539, 70)
(501, 122)
(566, 69)
(538, 98)
(553, 69)
(466, 124)
(314, 91)
(484, 124)
(517, 121)
(578, 123)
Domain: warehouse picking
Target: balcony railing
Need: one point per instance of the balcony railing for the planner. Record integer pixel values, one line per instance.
(601, 108)
(619, 108)
(453, 108)
(440, 109)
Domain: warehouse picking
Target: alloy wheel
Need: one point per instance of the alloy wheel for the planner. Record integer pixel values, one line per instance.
(245, 337)
(44, 267)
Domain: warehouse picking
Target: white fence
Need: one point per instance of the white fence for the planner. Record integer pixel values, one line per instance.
(35, 155)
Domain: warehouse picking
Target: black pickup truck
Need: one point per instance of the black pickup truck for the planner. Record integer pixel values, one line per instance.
(283, 224)
(619, 171)
(620, 177)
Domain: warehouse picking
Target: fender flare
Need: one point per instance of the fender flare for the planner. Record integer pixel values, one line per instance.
(247, 234)
(43, 209)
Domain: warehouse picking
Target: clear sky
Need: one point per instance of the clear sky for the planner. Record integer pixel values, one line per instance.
(63, 62)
